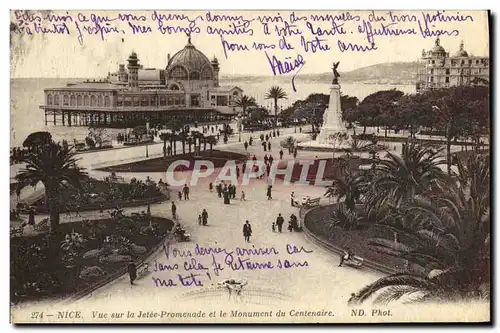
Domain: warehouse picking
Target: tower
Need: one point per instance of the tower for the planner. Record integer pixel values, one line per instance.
(122, 74)
(216, 68)
(133, 71)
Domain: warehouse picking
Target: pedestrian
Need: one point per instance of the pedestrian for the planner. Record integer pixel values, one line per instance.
(293, 202)
(279, 222)
(179, 194)
(218, 187)
(281, 154)
(246, 145)
(269, 197)
(211, 187)
(267, 137)
(243, 167)
(237, 172)
(174, 210)
(243, 198)
(300, 128)
(247, 231)
(266, 159)
(273, 227)
(264, 146)
(250, 142)
(132, 272)
(77, 210)
(278, 132)
(199, 219)
(185, 190)
(295, 153)
(204, 216)
(271, 159)
(268, 169)
(269, 146)
(254, 158)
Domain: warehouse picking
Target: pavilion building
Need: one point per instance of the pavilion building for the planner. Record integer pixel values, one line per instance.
(187, 90)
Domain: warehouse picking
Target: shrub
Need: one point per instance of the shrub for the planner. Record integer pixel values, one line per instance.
(92, 254)
(137, 249)
(115, 258)
(345, 218)
(91, 272)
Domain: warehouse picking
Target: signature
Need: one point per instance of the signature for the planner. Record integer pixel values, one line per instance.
(289, 65)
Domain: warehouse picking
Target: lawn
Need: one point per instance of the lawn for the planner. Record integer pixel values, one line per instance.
(43, 267)
(161, 164)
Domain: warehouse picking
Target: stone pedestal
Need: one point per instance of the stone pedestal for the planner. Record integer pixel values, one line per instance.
(332, 118)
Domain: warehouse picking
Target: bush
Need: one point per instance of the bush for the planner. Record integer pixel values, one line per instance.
(137, 249)
(92, 254)
(115, 258)
(91, 272)
(345, 218)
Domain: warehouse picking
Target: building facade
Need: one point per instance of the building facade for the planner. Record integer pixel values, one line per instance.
(187, 90)
(440, 70)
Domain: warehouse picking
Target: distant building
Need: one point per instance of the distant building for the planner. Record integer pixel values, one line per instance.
(187, 90)
(440, 70)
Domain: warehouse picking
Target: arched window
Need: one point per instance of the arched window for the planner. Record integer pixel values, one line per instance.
(99, 101)
(235, 93)
(79, 100)
(56, 99)
(49, 99)
(106, 101)
(206, 74)
(93, 101)
(86, 100)
(65, 100)
(179, 72)
(72, 100)
(194, 76)
(174, 87)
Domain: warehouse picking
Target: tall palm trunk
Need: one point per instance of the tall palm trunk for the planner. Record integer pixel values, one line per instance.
(204, 145)
(184, 147)
(448, 149)
(165, 148)
(275, 111)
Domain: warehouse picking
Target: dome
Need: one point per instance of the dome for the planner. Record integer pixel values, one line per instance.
(189, 63)
(461, 52)
(438, 49)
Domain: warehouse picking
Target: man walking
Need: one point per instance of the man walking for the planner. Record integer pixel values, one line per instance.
(204, 217)
(281, 154)
(269, 197)
(185, 190)
(132, 272)
(174, 210)
(247, 231)
(279, 222)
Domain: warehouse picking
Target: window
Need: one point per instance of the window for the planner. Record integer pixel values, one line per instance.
(179, 72)
(174, 87)
(453, 63)
(128, 101)
(137, 101)
(99, 101)
(194, 76)
(106, 101)
(208, 95)
(447, 71)
(93, 101)
(49, 99)
(79, 100)
(447, 79)
(195, 100)
(56, 99)
(222, 101)
(154, 100)
(432, 79)
(170, 100)
(432, 71)
(119, 101)
(144, 101)
(433, 62)
(206, 74)
(86, 101)
(72, 100)
(163, 100)
(65, 100)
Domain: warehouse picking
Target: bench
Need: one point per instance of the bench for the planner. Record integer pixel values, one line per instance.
(311, 202)
(42, 226)
(355, 261)
(142, 270)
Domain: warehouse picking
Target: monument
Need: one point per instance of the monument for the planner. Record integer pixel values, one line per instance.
(332, 119)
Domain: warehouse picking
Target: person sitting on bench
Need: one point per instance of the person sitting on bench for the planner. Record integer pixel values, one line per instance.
(348, 255)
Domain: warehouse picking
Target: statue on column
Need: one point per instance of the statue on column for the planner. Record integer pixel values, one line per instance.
(336, 74)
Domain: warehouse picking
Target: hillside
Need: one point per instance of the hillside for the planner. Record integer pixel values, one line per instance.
(385, 73)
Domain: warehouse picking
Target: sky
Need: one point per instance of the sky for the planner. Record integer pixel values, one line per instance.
(66, 55)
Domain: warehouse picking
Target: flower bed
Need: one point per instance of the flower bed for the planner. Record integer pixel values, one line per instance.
(95, 193)
(161, 164)
(318, 222)
(78, 256)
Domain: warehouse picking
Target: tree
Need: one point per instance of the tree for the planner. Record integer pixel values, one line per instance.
(337, 139)
(212, 141)
(275, 93)
(37, 139)
(350, 187)
(244, 102)
(399, 178)
(373, 105)
(139, 131)
(448, 237)
(56, 168)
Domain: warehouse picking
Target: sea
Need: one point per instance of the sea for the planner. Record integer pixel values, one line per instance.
(26, 96)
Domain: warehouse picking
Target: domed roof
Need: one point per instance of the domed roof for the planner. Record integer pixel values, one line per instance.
(461, 52)
(191, 59)
(438, 49)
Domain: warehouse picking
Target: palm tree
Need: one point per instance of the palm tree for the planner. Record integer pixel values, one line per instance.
(56, 168)
(399, 178)
(212, 141)
(449, 238)
(244, 102)
(275, 93)
(349, 187)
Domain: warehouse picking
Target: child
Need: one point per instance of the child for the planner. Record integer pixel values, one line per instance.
(179, 194)
(199, 219)
(243, 196)
(211, 187)
(274, 227)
